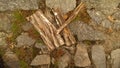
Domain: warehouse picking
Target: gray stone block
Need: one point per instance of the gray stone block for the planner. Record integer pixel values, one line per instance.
(65, 6)
(18, 4)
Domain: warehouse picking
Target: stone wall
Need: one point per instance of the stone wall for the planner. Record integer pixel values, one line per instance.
(98, 39)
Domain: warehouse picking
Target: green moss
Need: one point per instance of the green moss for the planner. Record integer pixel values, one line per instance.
(83, 16)
(23, 64)
(76, 19)
(17, 51)
(36, 33)
(40, 41)
(18, 20)
(55, 64)
(16, 30)
(2, 52)
(18, 16)
(90, 42)
(87, 42)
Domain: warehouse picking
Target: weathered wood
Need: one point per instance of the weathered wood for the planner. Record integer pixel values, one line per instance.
(46, 29)
(58, 36)
(40, 28)
(52, 19)
(72, 17)
(60, 21)
(69, 39)
(43, 22)
(45, 39)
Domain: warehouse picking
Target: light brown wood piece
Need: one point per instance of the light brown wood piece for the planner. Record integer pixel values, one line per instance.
(72, 17)
(46, 29)
(68, 37)
(45, 39)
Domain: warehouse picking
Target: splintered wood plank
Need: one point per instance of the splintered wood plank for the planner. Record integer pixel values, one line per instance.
(72, 17)
(68, 37)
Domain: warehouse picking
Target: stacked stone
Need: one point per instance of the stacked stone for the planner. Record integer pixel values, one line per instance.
(99, 39)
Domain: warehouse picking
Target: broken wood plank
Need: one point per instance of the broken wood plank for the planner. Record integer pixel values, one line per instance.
(45, 39)
(49, 32)
(72, 17)
(46, 29)
(68, 37)
(61, 41)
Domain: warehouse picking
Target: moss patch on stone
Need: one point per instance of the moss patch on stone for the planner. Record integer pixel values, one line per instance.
(18, 20)
(2, 52)
(23, 64)
(83, 16)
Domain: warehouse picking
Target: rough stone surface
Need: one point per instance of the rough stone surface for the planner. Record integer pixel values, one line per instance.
(18, 4)
(27, 26)
(71, 49)
(5, 24)
(98, 56)
(97, 16)
(100, 19)
(113, 41)
(81, 57)
(98, 10)
(43, 48)
(106, 6)
(2, 39)
(24, 40)
(115, 58)
(86, 32)
(61, 57)
(11, 60)
(65, 6)
(39, 45)
(40, 60)
(116, 26)
(106, 24)
(116, 16)
(64, 61)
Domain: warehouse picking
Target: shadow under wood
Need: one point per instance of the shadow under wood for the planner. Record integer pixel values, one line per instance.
(93, 42)
(1, 62)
